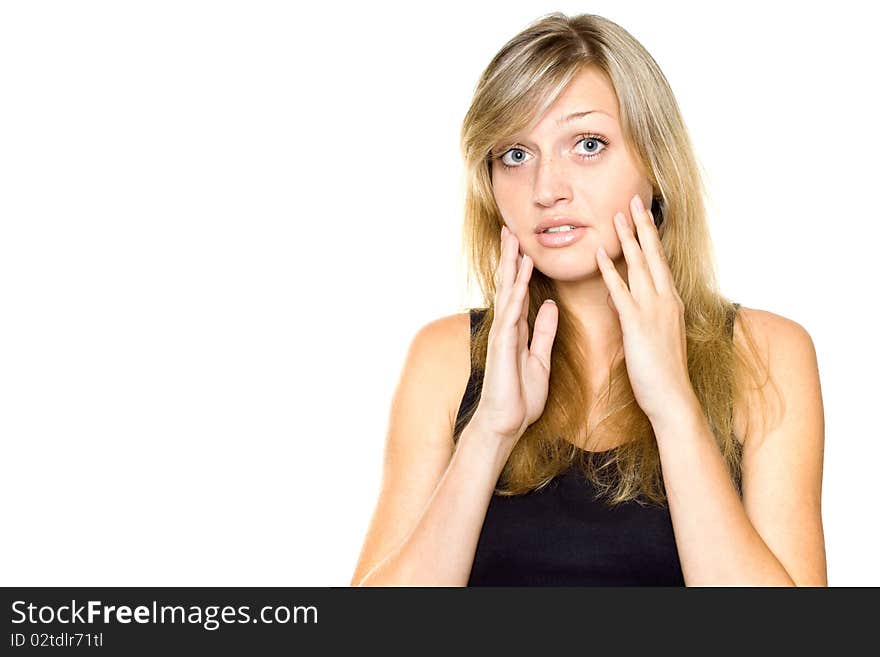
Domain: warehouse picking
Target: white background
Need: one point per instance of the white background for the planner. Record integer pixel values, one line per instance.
(223, 222)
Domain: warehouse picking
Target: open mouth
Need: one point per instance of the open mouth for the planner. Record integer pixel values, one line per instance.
(560, 236)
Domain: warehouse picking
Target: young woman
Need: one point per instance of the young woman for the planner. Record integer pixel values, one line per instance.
(605, 418)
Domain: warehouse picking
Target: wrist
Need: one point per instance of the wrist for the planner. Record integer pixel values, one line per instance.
(484, 428)
(486, 443)
(683, 412)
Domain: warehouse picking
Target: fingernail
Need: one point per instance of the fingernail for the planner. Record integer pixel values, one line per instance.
(550, 301)
(637, 204)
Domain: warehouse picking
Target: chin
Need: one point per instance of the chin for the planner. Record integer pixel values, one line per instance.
(570, 274)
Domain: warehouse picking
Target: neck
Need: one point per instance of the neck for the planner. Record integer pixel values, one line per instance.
(588, 302)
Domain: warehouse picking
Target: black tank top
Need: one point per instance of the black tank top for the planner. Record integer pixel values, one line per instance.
(561, 536)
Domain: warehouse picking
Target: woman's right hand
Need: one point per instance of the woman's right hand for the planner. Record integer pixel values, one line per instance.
(516, 377)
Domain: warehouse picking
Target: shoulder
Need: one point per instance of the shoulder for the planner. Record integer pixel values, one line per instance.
(787, 357)
(770, 325)
(444, 337)
(780, 340)
(783, 456)
(442, 347)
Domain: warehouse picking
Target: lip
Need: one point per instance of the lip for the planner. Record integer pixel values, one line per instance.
(557, 240)
(558, 221)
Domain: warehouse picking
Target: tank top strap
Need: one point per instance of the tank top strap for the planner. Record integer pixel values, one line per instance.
(475, 381)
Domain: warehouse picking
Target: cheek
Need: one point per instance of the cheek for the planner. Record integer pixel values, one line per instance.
(607, 235)
(509, 203)
(504, 192)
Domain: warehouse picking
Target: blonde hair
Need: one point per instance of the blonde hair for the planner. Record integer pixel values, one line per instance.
(521, 82)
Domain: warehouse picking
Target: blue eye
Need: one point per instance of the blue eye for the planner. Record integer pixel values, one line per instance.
(589, 140)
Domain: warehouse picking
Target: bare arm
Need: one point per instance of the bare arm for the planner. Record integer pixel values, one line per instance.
(433, 497)
(430, 513)
(440, 550)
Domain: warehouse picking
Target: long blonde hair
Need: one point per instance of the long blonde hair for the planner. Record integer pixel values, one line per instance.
(521, 82)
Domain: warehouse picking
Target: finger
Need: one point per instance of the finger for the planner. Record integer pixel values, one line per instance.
(496, 278)
(508, 270)
(502, 273)
(544, 333)
(638, 275)
(518, 293)
(519, 254)
(649, 238)
(523, 322)
(620, 294)
(501, 241)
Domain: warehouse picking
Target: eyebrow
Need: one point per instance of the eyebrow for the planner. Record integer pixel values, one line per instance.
(569, 118)
(577, 115)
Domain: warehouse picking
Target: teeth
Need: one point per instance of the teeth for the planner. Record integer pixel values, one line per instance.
(559, 229)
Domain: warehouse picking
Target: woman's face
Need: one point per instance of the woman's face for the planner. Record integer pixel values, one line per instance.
(577, 169)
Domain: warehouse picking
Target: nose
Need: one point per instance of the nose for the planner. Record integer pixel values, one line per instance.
(551, 182)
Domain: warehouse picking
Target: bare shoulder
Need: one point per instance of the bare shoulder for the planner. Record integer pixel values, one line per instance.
(445, 344)
(783, 457)
(419, 442)
(769, 326)
(778, 339)
(786, 353)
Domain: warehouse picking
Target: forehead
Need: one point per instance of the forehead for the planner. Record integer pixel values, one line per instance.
(590, 87)
(588, 90)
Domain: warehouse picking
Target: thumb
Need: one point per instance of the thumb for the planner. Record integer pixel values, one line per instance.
(544, 332)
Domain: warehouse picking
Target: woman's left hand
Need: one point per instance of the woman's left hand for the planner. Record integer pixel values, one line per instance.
(651, 318)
